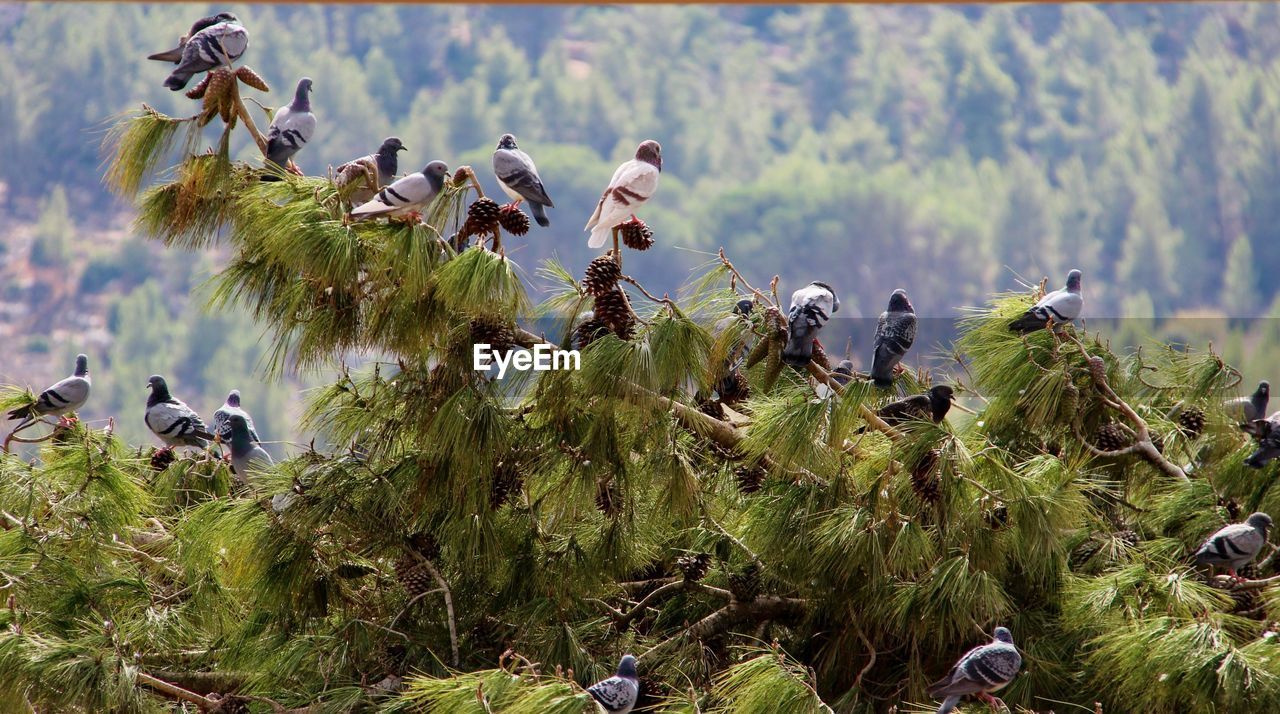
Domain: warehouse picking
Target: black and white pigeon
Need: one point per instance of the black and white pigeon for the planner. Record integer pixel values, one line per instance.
(217, 45)
(387, 162)
(519, 178)
(61, 399)
(811, 307)
(982, 670)
(175, 55)
(895, 333)
(408, 195)
(1236, 545)
(1060, 306)
(633, 183)
(1267, 432)
(292, 127)
(933, 406)
(171, 419)
(618, 693)
(246, 455)
(222, 419)
(1251, 408)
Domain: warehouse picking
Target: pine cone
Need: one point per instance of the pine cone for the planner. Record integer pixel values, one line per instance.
(1098, 368)
(482, 217)
(997, 517)
(492, 331)
(1245, 600)
(1249, 571)
(413, 575)
(602, 275)
(712, 408)
(745, 584)
(161, 458)
(636, 235)
(425, 544)
(506, 479)
(460, 176)
(1127, 536)
(1191, 419)
(197, 92)
(609, 498)
(251, 78)
(750, 479)
(820, 357)
(694, 567)
(1070, 403)
(1084, 552)
(735, 388)
(216, 98)
(612, 309)
(352, 570)
(513, 220)
(1111, 437)
(587, 331)
(924, 479)
(1233, 508)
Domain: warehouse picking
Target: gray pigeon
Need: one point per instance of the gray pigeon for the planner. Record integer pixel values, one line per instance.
(246, 455)
(1060, 306)
(292, 127)
(407, 195)
(519, 178)
(385, 161)
(222, 419)
(1267, 432)
(214, 46)
(1251, 408)
(1236, 545)
(633, 183)
(618, 694)
(895, 333)
(175, 55)
(980, 671)
(811, 307)
(843, 373)
(59, 400)
(171, 419)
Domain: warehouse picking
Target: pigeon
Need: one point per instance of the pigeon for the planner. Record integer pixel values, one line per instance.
(811, 307)
(407, 195)
(843, 373)
(632, 184)
(982, 670)
(932, 405)
(618, 694)
(1267, 432)
(385, 161)
(213, 46)
(1236, 545)
(175, 55)
(1252, 408)
(246, 455)
(519, 178)
(291, 128)
(895, 333)
(172, 420)
(1059, 306)
(61, 399)
(222, 419)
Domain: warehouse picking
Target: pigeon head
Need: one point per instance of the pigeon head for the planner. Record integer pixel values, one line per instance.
(391, 145)
(233, 398)
(159, 390)
(844, 367)
(1260, 522)
(743, 307)
(1073, 281)
(225, 17)
(942, 392)
(627, 667)
(238, 425)
(507, 142)
(898, 301)
(301, 96)
(835, 300)
(650, 152)
(82, 365)
(1264, 389)
(155, 381)
(1002, 634)
(435, 173)
(940, 399)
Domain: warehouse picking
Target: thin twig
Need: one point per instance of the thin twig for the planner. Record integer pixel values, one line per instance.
(448, 603)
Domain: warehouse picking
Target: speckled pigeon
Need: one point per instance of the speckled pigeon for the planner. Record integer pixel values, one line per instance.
(895, 333)
(246, 455)
(59, 400)
(292, 127)
(171, 419)
(632, 184)
(618, 694)
(811, 307)
(519, 178)
(175, 55)
(222, 419)
(407, 195)
(1060, 306)
(213, 46)
(1236, 545)
(1251, 408)
(352, 173)
(980, 671)
(932, 405)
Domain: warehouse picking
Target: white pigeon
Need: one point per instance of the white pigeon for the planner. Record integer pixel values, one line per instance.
(811, 307)
(222, 419)
(618, 694)
(292, 127)
(214, 46)
(1060, 306)
(59, 400)
(175, 423)
(632, 184)
(407, 195)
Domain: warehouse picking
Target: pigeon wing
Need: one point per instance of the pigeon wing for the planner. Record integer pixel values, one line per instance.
(175, 421)
(66, 396)
(615, 693)
(404, 194)
(1235, 543)
(289, 132)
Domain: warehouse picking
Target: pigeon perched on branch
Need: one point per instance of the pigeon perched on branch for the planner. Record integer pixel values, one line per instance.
(1267, 432)
(175, 55)
(1251, 408)
(519, 178)
(980, 671)
(59, 400)
(291, 128)
(175, 423)
(895, 333)
(1236, 545)
(811, 307)
(632, 184)
(217, 45)
(1059, 306)
(385, 162)
(222, 418)
(932, 406)
(618, 693)
(407, 195)
(246, 455)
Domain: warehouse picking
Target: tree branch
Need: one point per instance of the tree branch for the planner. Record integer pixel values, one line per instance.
(625, 619)
(448, 603)
(873, 420)
(765, 607)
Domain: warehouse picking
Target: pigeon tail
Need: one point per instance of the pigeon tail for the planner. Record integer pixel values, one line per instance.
(799, 349)
(882, 381)
(177, 80)
(948, 704)
(599, 235)
(25, 412)
(540, 215)
(1028, 323)
(174, 56)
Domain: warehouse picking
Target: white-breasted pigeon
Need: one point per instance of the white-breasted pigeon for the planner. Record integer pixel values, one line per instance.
(175, 55)
(386, 163)
(1059, 306)
(1236, 545)
(66, 396)
(1250, 409)
(811, 307)
(214, 46)
(408, 195)
(246, 455)
(895, 333)
(618, 694)
(222, 418)
(982, 670)
(291, 128)
(633, 183)
(519, 178)
(170, 419)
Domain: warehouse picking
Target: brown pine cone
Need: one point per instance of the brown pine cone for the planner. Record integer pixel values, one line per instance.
(1098, 368)
(750, 478)
(924, 477)
(482, 217)
(1083, 553)
(712, 408)
(745, 584)
(636, 235)
(613, 309)
(734, 388)
(412, 575)
(694, 567)
(1111, 437)
(602, 275)
(251, 78)
(1191, 420)
(609, 498)
(587, 332)
(492, 331)
(513, 220)
(997, 517)
(197, 92)
(161, 458)
(1127, 536)
(425, 544)
(820, 357)
(506, 480)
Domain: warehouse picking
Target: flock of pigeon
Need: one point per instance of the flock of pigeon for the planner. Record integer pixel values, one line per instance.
(220, 40)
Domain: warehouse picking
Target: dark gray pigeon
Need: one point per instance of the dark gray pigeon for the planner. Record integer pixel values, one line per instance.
(618, 693)
(980, 671)
(932, 406)
(59, 400)
(895, 333)
(1060, 306)
(292, 127)
(214, 46)
(1251, 408)
(352, 173)
(222, 419)
(171, 419)
(519, 178)
(811, 307)
(843, 373)
(246, 456)
(1267, 432)
(407, 195)
(175, 55)
(1236, 545)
